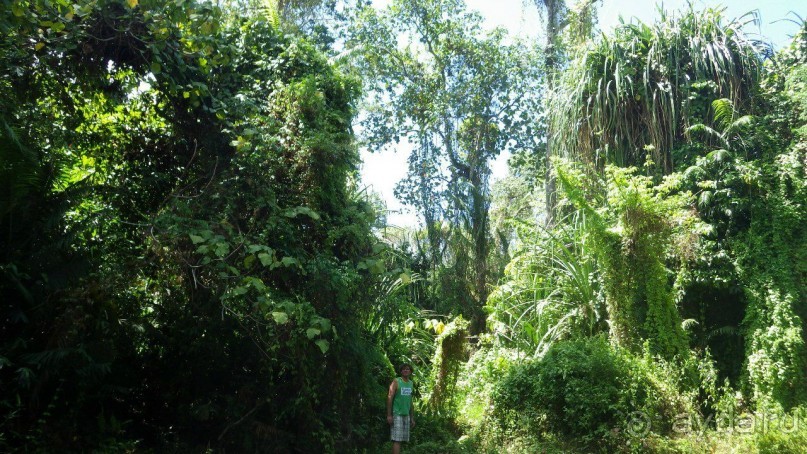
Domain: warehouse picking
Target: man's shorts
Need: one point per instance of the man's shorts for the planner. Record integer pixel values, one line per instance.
(400, 428)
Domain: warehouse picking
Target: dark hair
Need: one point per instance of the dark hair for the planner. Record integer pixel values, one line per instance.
(401, 368)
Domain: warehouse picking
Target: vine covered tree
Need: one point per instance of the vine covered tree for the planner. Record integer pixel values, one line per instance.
(460, 96)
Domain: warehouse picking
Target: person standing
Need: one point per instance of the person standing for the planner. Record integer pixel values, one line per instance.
(400, 414)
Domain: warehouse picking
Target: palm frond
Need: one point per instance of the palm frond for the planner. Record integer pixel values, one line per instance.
(723, 112)
(632, 90)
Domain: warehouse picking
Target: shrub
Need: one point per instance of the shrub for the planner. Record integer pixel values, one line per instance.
(586, 389)
(486, 367)
(434, 433)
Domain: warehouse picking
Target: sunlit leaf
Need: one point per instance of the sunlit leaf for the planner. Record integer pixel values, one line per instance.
(280, 317)
(439, 327)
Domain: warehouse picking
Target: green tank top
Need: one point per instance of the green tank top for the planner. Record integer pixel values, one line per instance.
(403, 398)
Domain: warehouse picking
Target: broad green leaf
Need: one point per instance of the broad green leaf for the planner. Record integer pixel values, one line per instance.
(39, 45)
(156, 68)
(265, 259)
(377, 267)
(257, 283)
(263, 303)
(323, 345)
(288, 261)
(312, 332)
(248, 261)
(84, 10)
(196, 239)
(280, 317)
(222, 249)
(132, 3)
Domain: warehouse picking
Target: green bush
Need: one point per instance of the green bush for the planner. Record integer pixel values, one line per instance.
(571, 391)
(782, 434)
(478, 379)
(587, 390)
(434, 433)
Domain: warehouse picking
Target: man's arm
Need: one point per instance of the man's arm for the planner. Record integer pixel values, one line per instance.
(393, 388)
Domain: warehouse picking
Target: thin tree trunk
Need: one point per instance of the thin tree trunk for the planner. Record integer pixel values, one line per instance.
(553, 10)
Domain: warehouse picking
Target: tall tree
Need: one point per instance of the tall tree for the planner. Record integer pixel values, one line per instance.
(578, 23)
(460, 96)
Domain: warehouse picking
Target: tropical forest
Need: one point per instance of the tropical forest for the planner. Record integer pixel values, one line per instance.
(591, 235)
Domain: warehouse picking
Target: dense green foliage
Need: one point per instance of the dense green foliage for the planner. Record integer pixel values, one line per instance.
(188, 261)
(704, 252)
(585, 388)
(185, 258)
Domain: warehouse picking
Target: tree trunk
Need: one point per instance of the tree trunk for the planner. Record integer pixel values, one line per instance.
(554, 9)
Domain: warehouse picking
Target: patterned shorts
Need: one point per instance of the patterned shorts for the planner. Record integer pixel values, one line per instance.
(400, 428)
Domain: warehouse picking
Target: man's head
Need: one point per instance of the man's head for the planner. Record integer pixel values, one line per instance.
(405, 369)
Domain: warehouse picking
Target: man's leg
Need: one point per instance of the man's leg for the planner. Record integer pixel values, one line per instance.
(396, 447)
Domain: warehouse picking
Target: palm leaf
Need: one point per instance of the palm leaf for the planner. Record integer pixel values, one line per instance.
(633, 89)
(723, 110)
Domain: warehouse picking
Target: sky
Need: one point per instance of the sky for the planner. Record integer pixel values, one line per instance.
(381, 171)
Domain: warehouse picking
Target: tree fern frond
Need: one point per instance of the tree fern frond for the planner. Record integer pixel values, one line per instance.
(723, 331)
(719, 156)
(702, 129)
(705, 199)
(740, 123)
(723, 112)
(689, 323)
